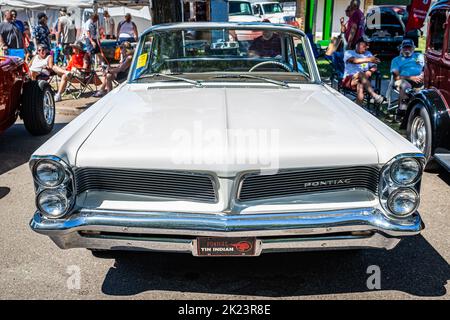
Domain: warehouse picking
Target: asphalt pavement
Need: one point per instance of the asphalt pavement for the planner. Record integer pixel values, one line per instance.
(32, 267)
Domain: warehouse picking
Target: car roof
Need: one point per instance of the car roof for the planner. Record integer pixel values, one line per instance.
(227, 25)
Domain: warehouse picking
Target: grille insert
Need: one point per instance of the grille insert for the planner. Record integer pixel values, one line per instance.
(290, 183)
(170, 185)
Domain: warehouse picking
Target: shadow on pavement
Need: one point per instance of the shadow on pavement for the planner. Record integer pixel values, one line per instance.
(414, 267)
(4, 192)
(17, 145)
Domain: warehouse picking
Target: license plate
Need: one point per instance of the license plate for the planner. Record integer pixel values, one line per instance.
(243, 246)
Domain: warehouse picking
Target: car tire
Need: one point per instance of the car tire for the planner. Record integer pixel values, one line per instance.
(38, 107)
(100, 253)
(420, 133)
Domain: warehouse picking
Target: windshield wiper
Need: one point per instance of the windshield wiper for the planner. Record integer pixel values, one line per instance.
(196, 83)
(283, 84)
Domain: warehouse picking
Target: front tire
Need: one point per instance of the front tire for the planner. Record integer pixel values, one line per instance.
(420, 132)
(38, 107)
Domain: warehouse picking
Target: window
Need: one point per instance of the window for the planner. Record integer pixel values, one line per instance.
(206, 53)
(238, 8)
(437, 30)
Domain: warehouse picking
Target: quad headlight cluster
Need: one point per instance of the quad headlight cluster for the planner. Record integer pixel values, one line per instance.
(54, 186)
(400, 185)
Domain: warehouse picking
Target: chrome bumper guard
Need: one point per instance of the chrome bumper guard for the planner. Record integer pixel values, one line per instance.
(178, 232)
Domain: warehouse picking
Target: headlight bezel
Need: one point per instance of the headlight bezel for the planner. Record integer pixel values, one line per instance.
(66, 187)
(57, 192)
(57, 164)
(397, 164)
(397, 192)
(388, 185)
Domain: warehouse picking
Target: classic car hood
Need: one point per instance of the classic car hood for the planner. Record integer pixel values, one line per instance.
(202, 129)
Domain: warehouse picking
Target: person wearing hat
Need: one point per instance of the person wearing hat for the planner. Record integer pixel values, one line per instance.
(41, 32)
(360, 65)
(42, 63)
(407, 70)
(79, 62)
(67, 32)
(118, 73)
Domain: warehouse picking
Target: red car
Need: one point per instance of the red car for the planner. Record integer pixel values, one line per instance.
(428, 116)
(32, 101)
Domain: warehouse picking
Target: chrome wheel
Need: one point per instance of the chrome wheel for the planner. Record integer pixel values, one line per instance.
(419, 133)
(48, 107)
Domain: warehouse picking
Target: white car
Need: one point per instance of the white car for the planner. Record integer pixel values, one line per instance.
(241, 11)
(271, 11)
(218, 146)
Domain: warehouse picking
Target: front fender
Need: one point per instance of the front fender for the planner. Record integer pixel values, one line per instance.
(439, 113)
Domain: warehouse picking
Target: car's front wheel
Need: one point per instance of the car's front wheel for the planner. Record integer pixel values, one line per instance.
(38, 107)
(420, 132)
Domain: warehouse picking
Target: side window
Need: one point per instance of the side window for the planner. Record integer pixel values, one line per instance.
(437, 30)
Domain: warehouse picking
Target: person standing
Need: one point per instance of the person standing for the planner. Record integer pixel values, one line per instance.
(19, 24)
(41, 32)
(354, 28)
(92, 42)
(67, 33)
(10, 36)
(127, 30)
(109, 25)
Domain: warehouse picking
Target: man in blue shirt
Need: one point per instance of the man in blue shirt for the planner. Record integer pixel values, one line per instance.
(407, 70)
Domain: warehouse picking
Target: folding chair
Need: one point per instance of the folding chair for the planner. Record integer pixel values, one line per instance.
(392, 96)
(86, 79)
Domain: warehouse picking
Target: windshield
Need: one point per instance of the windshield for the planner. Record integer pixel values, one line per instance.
(271, 8)
(203, 53)
(240, 8)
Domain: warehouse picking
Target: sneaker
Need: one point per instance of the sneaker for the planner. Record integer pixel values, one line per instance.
(99, 94)
(58, 97)
(380, 99)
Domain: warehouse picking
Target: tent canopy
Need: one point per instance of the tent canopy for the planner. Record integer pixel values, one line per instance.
(35, 4)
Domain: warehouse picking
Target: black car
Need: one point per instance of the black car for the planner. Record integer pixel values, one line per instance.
(385, 27)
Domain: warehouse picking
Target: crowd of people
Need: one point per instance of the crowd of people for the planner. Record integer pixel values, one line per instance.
(80, 49)
(350, 52)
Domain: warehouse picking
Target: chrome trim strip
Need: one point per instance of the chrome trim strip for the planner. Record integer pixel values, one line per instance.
(376, 241)
(257, 225)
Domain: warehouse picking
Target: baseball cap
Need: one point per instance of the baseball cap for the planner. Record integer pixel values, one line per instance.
(407, 43)
(41, 15)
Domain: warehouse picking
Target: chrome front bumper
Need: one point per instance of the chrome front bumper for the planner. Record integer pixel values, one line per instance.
(178, 232)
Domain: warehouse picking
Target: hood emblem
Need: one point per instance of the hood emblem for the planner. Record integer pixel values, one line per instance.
(327, 183)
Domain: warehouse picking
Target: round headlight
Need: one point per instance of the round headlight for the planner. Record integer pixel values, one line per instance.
(403, 202)
(49, 173)
(405, 171)
(52, 203)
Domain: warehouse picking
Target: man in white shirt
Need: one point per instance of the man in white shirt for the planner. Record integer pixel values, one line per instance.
(360, 65)
(127, 30)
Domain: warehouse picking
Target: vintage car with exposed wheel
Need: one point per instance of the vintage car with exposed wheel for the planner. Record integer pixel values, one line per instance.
(427, 119)
(220, 146)
(32, 101)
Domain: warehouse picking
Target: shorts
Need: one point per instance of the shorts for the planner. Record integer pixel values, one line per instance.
(347, 83)
(121, 76)
(66, 49)
(399, 83)
(91, 49)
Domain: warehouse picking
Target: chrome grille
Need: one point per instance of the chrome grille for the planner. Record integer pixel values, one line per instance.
(255, 186)
(171, 185)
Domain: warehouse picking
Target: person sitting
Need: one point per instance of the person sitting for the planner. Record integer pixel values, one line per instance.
(266, 45)
(407, 70)
(360, 65)
(118, 73)
(42, 64)
(80, 62)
